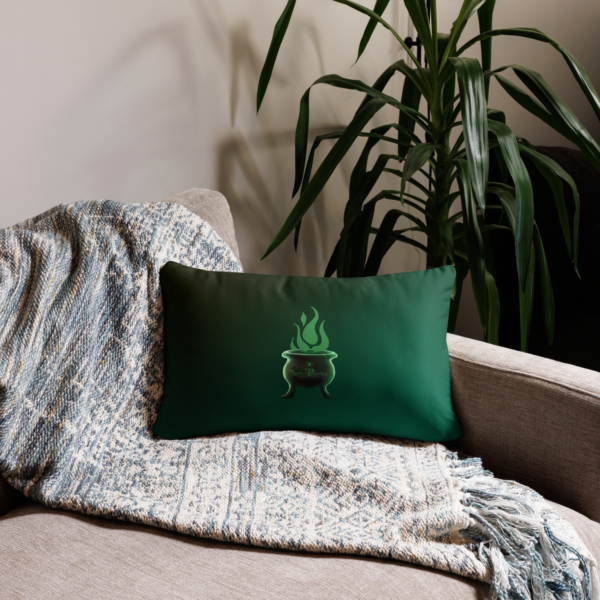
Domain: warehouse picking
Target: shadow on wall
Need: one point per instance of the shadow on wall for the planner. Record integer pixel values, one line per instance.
(258, 212)
(163, 121)
(248, 165)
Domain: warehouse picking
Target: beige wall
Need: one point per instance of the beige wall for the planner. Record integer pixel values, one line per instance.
(137, 100)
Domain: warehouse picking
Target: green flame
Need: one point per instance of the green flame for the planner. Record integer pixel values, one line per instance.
(307, 339)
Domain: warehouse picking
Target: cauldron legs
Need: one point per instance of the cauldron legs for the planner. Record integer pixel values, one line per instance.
(325, 393)
(290, 393)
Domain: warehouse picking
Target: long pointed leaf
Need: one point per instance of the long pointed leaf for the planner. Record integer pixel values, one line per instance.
(380, 245)
(462, 268)
(360, 169)
(485, 15)
(417, 11)
(473, 240)
(547, 299)
(333, 261)
(533, 106)
(411, 96)
(357, 85)
(524, 194)
(354, 205)
(526, 302)
(541, 159)
(467, 10)
(302, 126)
(301, 140)
(556, 106)
(379, 8)
(493, 309)
(360, 240)
(474, 115)
(577, 69)
(311, 156)
(416, 157)
(324, 172)
(556, 185)
(297, 235)
(408, 72)
(376, 17)
(278, 35)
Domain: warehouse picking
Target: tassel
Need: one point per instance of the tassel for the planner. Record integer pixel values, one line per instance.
(525, 556)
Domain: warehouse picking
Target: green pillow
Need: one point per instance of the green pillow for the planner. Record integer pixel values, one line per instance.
(264, 352)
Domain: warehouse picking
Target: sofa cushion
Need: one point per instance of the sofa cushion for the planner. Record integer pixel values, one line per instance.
(47, 554)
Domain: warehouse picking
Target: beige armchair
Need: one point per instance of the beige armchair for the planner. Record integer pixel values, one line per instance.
(530, 419)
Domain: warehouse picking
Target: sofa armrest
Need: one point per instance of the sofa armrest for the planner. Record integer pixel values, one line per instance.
(214, 209)
(530, 419)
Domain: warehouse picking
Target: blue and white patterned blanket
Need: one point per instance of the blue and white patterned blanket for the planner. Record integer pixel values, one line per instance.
(81, 375)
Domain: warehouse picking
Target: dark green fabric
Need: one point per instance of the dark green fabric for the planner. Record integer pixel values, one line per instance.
(225, 334)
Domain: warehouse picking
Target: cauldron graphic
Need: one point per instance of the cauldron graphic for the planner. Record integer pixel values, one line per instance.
(308, 370)
(309, 360)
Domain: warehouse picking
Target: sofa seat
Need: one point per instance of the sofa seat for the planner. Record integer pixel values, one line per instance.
(48, 554)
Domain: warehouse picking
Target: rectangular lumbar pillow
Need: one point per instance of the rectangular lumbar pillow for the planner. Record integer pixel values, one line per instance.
(264, 352)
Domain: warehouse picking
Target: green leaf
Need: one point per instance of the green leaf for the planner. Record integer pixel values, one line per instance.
(556, 185)
(316, 143)
(558, 108)
(445, 227)
(399, 66)
(360, 240)
(462, 268)
(416, 157)
(417, 11)
(474, 115)
(493, 310)
(379, 8)
(473, 240)
(360, 169)
(333, 261)
(380, 245)
(547, 300)
(485, 15)
(302, 126)
(533, 106)
(524, 195)
(354, 204)
(324, 172)
(526, 302)
(509, 204)
(411, 97)
(366, 11)
(301, 141)
(297, 235)
(496, 115)
(357, 85)
(398, 237)
(418, 185)
(467, 10)
(577, 69)
(278, 35)
(545, 161)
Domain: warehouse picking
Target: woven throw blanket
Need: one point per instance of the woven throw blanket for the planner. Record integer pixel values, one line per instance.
(81, 375)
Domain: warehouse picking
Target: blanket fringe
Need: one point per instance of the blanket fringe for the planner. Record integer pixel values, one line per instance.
(526, 558)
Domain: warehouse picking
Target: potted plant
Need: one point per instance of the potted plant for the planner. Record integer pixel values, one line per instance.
(455, 90)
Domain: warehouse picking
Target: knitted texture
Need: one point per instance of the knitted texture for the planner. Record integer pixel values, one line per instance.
(81, 376)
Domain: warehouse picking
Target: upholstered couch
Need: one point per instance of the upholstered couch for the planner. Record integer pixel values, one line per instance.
(530, 419)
